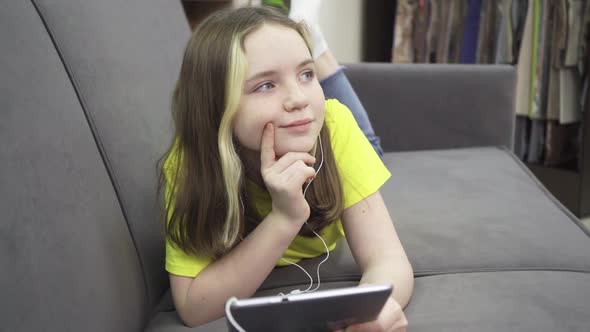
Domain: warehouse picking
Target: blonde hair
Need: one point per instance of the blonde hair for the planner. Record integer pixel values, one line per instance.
(206, 210)
(231, 165)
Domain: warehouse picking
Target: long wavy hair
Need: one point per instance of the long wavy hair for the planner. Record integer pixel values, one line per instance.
(206, 207)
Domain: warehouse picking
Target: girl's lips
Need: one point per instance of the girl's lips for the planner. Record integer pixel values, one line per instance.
(298, 123)
(299, 126)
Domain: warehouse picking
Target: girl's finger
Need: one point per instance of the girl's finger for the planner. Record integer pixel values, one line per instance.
(298, 173)
(267, 147)
(290, 158)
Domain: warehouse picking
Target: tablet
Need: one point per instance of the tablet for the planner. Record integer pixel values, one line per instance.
(325, 310)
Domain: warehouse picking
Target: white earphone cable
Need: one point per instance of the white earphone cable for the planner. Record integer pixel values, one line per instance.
(296, 291)
(229, 315)
(228, 304)
(319, 167)
(309, 290)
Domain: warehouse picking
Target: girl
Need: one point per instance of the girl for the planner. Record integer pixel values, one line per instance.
(252, 129)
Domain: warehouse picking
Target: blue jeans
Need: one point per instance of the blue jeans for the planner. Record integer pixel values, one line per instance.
(338, 87)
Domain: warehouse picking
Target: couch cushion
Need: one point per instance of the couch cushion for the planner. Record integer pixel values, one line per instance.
(489, 301)
(123, 58)
(524, 301)
(68, 261)
(479, 209)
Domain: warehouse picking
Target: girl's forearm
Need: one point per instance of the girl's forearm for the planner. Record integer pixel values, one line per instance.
(387, 271)
(240, 272)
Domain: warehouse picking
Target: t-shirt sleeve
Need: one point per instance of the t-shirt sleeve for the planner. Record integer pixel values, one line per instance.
(361, 170)
(182, 264)
(177, 261)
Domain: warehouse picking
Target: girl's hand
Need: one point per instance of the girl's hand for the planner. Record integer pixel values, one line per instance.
(391, 319)
(284, 178)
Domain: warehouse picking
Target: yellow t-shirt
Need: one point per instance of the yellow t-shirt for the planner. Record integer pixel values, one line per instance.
(361, 173)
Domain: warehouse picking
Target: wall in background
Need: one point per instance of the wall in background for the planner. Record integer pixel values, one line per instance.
(342, 22)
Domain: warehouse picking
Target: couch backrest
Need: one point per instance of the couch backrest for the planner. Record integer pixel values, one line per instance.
(433, 106)
(123, 58)
(68, 259)
(84, 116)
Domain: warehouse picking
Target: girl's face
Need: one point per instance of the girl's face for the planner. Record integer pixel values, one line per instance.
(280, 88)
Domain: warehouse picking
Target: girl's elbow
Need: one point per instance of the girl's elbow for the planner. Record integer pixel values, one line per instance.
(188, 317)
(192, 318)
(187, 320)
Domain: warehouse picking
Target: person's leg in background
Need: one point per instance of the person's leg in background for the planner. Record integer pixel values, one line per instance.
(329, 72)
(336, 85)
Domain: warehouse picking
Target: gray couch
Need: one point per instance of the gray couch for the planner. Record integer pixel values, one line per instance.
(84, 99)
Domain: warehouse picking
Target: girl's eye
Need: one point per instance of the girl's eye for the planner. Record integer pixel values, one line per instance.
(307, 75)
(264, 87)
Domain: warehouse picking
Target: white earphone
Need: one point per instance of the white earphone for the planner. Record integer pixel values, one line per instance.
(295, 291)
(309, 290)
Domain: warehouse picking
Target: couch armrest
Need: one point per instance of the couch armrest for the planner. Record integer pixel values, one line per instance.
(430, 106)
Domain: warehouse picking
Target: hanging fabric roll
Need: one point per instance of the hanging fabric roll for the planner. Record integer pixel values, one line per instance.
(523, 85)
(558, 31)
(433, 30)
(519, 11)
(470, 32)
(442, 47)
(420, 31)
(504, 33)
(542, 22)
(574, 25)
(403, 49)
(456, 26)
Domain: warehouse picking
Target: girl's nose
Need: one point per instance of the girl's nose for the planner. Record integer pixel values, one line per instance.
(295, 99)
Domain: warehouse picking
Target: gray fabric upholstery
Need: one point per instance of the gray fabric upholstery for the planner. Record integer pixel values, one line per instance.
(123, 59)
(445, 205)
(437, 107)
(476, 210)
(84, 115)
(68, 261)
(524, 301)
